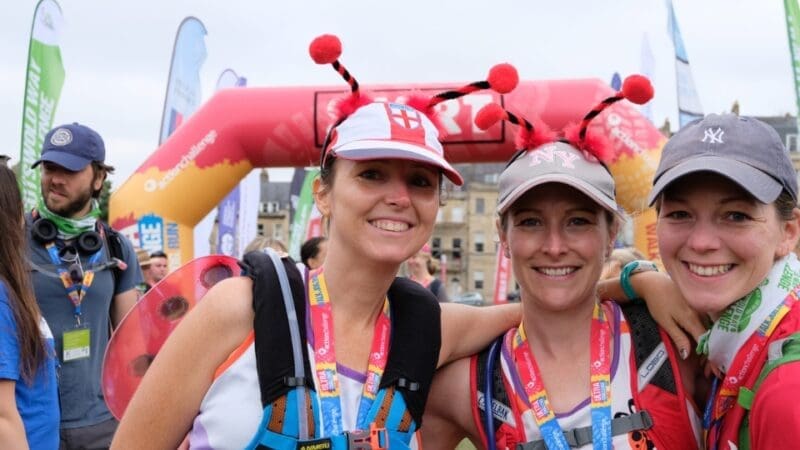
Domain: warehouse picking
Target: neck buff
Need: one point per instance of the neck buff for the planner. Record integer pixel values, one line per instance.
(69, 228)
(745, 316)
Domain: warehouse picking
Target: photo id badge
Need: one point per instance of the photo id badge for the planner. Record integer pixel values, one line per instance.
(76, 344)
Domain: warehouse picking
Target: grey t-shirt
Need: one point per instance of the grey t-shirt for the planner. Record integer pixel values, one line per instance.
(80, 394)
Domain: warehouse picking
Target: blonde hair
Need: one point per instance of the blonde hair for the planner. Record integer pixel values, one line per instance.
(262, 242)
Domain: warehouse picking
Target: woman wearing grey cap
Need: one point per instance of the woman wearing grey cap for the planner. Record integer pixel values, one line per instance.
(576, 372)
(726, 194)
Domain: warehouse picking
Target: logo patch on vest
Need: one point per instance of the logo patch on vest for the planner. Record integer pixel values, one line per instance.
(316, 444)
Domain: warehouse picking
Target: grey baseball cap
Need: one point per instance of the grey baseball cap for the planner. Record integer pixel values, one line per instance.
(745, 150)
(557, 162)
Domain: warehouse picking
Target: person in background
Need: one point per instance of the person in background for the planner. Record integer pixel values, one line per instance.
(84, 277)
(618, 259)
(143, 256)
(29, 411)
(157, 268)
(312, 252)
(262, 242)
(422, 268)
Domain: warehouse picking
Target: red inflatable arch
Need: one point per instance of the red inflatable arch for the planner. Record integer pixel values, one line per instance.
(239, 129)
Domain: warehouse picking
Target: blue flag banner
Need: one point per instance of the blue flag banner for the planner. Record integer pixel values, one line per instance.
(183, 88)
(689, 107)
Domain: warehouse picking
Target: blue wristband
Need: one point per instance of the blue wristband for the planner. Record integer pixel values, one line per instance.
(630, 269)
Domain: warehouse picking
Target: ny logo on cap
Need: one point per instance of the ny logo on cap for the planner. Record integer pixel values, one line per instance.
(549, 154)
(713, 136)
(405, 116)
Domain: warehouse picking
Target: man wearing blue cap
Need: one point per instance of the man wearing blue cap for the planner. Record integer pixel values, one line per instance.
(84, 276)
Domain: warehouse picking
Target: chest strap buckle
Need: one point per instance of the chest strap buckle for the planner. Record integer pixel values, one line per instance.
(374, 439)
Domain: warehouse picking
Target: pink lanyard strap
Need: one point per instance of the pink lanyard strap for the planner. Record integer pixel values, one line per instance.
(325, 357)
(600, 384)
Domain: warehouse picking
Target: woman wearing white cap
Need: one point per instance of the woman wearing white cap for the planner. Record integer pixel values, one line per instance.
(379, 188)
(726, 193)
(576, 372)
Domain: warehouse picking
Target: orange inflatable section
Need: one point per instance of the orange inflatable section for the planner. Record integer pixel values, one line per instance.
(244, 128)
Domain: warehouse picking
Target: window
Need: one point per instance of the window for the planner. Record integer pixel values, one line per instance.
(436, 247)
(457, 248)
(479, 205)
(269, 207)
(277, 231)
(791, 142)
(260, 230)
(478, 238)
(478, 277)
(457, 214)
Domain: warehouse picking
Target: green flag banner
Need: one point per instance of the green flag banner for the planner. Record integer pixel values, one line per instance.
(44, 79)
(793, 28)
(302, 214)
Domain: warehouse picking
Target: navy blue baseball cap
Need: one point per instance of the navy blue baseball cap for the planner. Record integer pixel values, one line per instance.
(72, 146)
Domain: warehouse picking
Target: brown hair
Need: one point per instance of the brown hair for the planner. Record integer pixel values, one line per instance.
(100, 170)
(784, 204)
(16, 276)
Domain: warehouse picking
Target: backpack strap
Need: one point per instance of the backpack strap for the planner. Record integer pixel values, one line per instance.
(488, 378)
(780, 352)
(489, 360)
(650, 353)
(275, 359)
(578, 437)
(114, 245)
(416, 341)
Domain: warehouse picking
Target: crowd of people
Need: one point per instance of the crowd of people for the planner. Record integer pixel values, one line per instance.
(338, 352)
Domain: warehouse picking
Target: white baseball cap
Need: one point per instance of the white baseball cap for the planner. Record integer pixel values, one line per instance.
(382, 130)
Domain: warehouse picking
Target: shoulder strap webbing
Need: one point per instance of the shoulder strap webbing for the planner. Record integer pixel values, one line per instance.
(499, 394)
(416, 341)
(646, 340)
(780, 352)
(413, 354)
(578, 437)
(273, 347)
(114, 243)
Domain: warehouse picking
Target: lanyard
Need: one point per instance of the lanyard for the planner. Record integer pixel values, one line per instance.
(75, 291)
(600, 382)
(723, 398)
(325, 357)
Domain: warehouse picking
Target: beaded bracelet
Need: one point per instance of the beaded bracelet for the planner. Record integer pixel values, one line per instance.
(631, 268)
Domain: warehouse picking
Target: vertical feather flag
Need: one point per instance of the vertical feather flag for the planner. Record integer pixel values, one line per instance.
(43, 82)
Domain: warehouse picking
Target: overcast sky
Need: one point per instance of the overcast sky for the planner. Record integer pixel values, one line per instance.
(117, 54)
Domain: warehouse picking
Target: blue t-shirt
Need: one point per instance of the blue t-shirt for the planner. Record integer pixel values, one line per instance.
(80, 391)
(37, 403)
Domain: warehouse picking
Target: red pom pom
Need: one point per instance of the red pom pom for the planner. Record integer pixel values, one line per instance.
(637, 89)
(542, 134)
(325, 49)
(594, 144)
(489, 115)
(345, 106)
(503, 78)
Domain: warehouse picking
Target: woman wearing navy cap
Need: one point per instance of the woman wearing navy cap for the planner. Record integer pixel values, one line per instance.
(726, 194)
